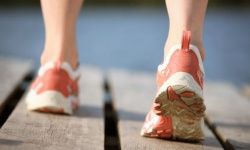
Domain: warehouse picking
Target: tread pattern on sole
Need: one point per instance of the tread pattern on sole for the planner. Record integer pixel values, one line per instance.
(186, 109)
(162, 129)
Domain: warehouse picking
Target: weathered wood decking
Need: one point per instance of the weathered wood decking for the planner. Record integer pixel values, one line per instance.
(112, 111)
(133, 94)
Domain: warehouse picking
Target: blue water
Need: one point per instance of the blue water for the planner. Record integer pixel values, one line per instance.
(133, 38)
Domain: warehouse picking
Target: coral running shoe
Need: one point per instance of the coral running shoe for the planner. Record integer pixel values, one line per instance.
(178, 108)
(55, 90)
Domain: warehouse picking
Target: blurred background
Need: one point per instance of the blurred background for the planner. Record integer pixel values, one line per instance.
(130, 34)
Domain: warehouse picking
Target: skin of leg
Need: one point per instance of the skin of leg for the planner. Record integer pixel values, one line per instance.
(60, 18)
(186, 15)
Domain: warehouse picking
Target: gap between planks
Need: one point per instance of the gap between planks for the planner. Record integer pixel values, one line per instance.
(84, 130)
(228, 114)
(133, 93)
(20, 73)
(14, 73)
(232, 128)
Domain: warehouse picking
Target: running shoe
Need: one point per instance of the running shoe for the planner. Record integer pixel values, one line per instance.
(178, 108)
(55, 89)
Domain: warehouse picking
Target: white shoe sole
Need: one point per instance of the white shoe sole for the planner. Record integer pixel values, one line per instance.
(187, 113)
(49, 101)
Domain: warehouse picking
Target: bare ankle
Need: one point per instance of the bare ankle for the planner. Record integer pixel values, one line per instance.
(174, 38)
(52, 56)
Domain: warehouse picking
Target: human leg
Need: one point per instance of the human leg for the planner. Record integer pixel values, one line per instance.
(55, 88)
(186, 15)
(178, 107)
(60, 18)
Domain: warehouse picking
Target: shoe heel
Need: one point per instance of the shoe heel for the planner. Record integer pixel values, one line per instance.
(181, 99)
(187, 128)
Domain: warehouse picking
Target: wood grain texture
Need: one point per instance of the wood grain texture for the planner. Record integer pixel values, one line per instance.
(133, 93)
(12, 72)
(25, 130)
(229, 112)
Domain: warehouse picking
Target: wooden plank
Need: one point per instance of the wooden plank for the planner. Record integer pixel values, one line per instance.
(246, 91)
(229, 112)
(12, 73)
(26, 130)
(133, 93)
